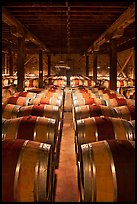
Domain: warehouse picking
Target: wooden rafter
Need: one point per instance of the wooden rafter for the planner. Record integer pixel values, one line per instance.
(118, 26)
(19, 30)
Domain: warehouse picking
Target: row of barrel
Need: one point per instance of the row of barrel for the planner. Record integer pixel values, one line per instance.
(103, 81)
(31, 136)
(125, 86)
(104, 144)
(33, 82)
(99, 96)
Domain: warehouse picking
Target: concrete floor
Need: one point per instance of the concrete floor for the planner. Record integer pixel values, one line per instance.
(66, 174)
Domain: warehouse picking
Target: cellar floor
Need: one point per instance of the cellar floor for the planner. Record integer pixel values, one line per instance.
(66, 174)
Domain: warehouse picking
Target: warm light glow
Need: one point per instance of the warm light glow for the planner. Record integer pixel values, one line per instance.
(61, 65)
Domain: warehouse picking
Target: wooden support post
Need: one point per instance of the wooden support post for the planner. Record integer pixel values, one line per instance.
(95, 66)
(40, 69)
(133, 65)
(49, 64)
(87, 65)
(10, 62)
(6, 64)
(20, 64)
(113, 65)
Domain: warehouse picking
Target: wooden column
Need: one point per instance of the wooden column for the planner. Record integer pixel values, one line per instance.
(95, 66)
(133, 64)
(10, 62)
(40, 69)
(20, 64)
(113, 65)
(49, 64)
(87, 65)
(6, 64)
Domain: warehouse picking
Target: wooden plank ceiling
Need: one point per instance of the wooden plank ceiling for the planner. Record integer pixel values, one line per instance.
(64, 27)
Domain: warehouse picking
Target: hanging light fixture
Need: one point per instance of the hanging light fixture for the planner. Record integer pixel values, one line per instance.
(61, 64)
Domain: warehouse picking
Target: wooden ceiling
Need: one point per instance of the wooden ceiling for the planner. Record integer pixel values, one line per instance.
(64, 27)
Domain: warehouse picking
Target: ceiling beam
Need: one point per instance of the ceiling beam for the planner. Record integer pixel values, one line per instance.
(116, 29)
(20, 30)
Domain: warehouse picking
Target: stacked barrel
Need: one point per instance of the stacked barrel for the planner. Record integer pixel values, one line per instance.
(31, 83)
(56, 80)
(125, 86)
(32, 124)
(104, 125)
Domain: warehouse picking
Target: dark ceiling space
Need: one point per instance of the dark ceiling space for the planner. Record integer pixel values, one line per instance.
(63, 27)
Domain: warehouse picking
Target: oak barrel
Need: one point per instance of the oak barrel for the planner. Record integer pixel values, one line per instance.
(125, 112)
(87, 101)
(84, 95)
(102, 128)
(26, 94)
(106, 172)
(35, 128)
(12, 88)
(6, 93)
(120, 102)
(27, 171)
(10, 111)
(86, 111)
(111, 95)
(46, 100)
(43, 110)
(18, 100)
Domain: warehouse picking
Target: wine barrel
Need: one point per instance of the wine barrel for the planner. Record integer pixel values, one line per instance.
(29, 83)
(106, 83)
(131, 82)
(127, 91)
(55, 95)
(120, 102)
(27, 171)
(80, 89)
(21, 101)
(15, 81)
(76, 82)
(36, 82)
(26, 94)
(88, 82)
(5, 81)
(12, 88)
(111, 95)
(10, 111)
(106, 172)
(5, 93)
(78, 96)
(53, 89)
(88, 101)
(46, 100)
(102, 128)
(125, 112)
(44, 110)
(35, 128)
(122, 83)
(103, 91)
(87, 111)
(59, 82)
(93, 110)
(130, 92)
